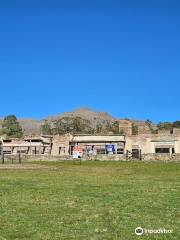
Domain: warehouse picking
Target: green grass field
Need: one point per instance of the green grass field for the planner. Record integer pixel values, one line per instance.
(95, 200)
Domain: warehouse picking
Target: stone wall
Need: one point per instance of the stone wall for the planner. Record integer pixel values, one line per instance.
(100, 157)
(160, 157)
(176, 131)
(164, 132)
(30, 158)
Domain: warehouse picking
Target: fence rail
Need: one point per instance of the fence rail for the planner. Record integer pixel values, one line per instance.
(11, 157)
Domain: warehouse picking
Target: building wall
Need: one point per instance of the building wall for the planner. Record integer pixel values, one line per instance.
(147, 143)
(164, 132)
(143, 142)
(61, 141)
(176, 131)
(177, 145)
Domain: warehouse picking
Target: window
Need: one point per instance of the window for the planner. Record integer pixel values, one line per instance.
(62, 150)
(162, 150)
(100, 150)
(120, 151)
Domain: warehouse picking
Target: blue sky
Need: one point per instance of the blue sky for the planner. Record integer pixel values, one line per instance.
(122, 57)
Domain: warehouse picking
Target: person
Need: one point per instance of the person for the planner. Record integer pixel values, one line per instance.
(89, 151)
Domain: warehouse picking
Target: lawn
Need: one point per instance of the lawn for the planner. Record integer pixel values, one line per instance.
(94, 200)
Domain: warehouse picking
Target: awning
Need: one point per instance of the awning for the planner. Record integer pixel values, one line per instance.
(164, 146)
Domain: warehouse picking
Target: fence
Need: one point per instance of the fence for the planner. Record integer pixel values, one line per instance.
(11, 157)
(20, 158)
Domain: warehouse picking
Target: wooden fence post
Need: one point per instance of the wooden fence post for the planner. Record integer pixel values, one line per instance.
(140, 157)
(19, 157)
(2, 158)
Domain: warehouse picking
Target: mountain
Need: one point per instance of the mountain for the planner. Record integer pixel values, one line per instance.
(33, 126)
(85, 113)
(30, 126)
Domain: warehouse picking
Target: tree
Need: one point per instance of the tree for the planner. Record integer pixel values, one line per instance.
(134, 129)
(62, 126)
(78, 125)
(81, 125)
(176, 124)
(11, 127)
(98, 128)
(165, 126)
(149, 124)
(46, 128)
(106, 128)
(72, 125)
(115, 127)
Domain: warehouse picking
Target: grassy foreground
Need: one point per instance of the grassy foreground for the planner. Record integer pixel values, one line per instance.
(95, 200)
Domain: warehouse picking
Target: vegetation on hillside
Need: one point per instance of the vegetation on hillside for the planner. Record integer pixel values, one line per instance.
(168, 125)
(149, 123)
(134, 129)
(79, 125)
(82, 121)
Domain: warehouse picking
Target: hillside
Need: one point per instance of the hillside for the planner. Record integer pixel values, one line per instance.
(30, 126)
(33, 126)
(93, 118)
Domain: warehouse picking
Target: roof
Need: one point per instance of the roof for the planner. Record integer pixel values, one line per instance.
(98, 138)
(22, 144)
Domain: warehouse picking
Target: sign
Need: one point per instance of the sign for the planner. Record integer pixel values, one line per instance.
(77, 152)
(110, 149)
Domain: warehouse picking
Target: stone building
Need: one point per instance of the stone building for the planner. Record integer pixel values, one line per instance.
(98, 143)
(28, 145)
(63, 145)
(176, 131)
(60, 144)
(154, 146)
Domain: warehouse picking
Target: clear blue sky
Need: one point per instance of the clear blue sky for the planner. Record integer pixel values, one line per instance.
(117, 56)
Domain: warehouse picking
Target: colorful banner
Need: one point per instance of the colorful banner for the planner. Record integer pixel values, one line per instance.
(110, 149)
(77, 152)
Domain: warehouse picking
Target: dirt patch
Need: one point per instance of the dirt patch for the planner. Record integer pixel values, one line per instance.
(24, 167)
